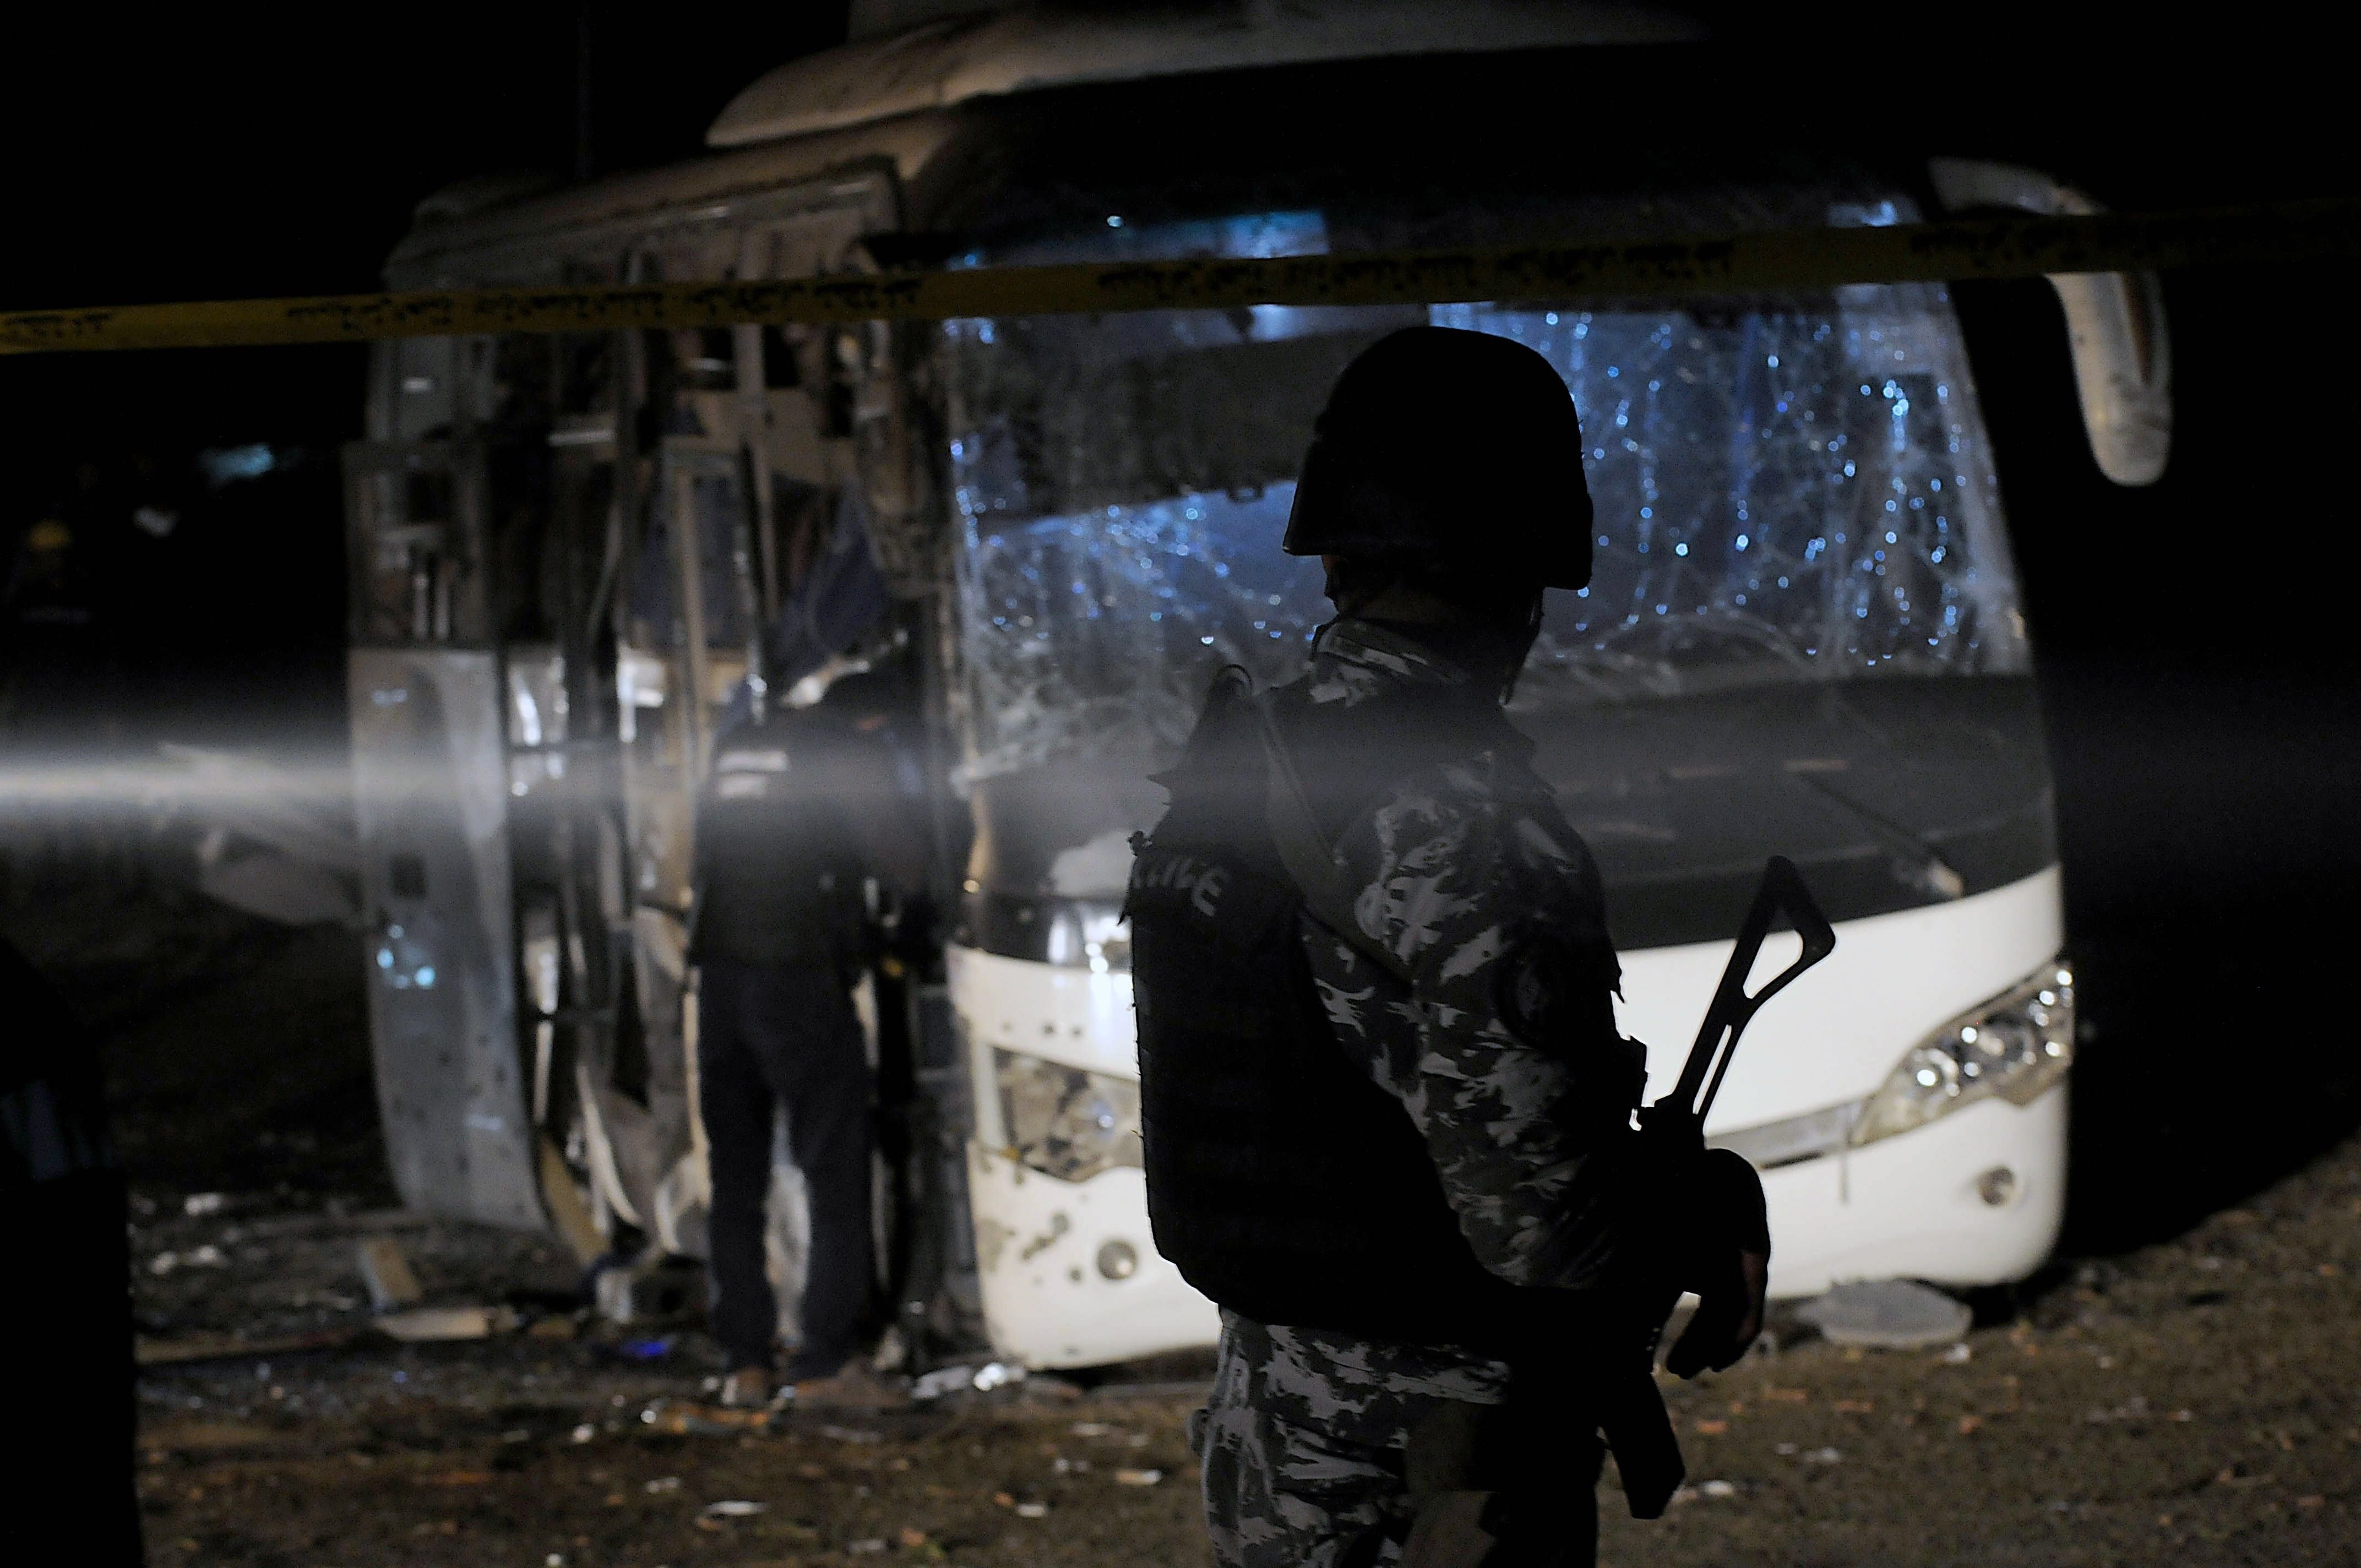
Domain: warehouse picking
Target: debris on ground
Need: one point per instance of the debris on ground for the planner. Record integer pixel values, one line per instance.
(192, 1348)
(942, 1380)
(1886, 1314)
(386, 1274)
(205, 1256)
(656, 1288)
(997, 1374)
(654, 1347)
(685, 1418)
(2192, 1403)
(733, 1508)
(431, 1325)
(850, 1434)
(1005, 1378)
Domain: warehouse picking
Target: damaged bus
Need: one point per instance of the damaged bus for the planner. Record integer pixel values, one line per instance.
(570, 556)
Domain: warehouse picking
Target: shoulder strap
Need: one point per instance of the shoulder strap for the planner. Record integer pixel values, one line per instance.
(1305, 852)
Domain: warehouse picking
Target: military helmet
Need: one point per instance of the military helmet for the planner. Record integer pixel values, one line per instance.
(1456, 446)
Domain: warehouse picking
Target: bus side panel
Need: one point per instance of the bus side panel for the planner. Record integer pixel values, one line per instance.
(430, 785)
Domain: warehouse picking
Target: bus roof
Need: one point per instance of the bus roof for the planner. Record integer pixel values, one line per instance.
(904, 98)
(949, 61)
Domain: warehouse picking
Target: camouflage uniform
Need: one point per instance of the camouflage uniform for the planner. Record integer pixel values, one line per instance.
(1303, 1439)
(1468, 874)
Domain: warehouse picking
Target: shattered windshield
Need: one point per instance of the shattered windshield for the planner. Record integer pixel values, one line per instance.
(1788, 490)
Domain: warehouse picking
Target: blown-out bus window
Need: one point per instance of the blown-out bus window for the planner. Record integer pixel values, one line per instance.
(1788, 490)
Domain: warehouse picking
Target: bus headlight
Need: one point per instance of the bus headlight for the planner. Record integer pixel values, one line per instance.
(1064, 1121)
(2015, 1045)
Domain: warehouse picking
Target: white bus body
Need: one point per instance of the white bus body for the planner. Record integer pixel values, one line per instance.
(1973, 1198)
(1804, 637)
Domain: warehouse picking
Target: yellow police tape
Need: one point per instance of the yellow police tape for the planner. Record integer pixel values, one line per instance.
(2007, 247)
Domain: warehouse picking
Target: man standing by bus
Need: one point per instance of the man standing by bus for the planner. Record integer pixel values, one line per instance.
(1387, 1107)
(780, 939)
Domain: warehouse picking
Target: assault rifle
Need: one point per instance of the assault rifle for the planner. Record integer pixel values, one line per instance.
(1486, 1477)
(1671, 1131)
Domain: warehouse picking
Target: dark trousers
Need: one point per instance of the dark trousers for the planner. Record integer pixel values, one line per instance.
(767, 1039)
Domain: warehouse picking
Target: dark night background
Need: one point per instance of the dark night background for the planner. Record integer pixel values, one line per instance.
(2197, 640)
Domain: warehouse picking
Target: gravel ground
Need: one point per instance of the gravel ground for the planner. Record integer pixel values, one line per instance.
(2193, 1401)
(2191, 1398)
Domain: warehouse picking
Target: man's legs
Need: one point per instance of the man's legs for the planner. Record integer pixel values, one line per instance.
(739, 1104)
(1304, 1442)
(825, 1078)
(1284, 1488)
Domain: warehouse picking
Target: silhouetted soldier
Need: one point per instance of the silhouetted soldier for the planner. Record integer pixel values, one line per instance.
(1387, 1107)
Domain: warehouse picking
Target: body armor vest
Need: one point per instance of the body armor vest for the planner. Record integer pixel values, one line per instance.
(1282, 1181)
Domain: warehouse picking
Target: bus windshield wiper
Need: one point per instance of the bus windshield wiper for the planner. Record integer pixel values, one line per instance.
(1917, 863)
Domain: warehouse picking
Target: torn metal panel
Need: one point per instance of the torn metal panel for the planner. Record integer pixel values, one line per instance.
(655, 1127)
(273, 884)
(430, 785)
(662, 497)
(271, 842)
(414, 517)
(699, 511)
